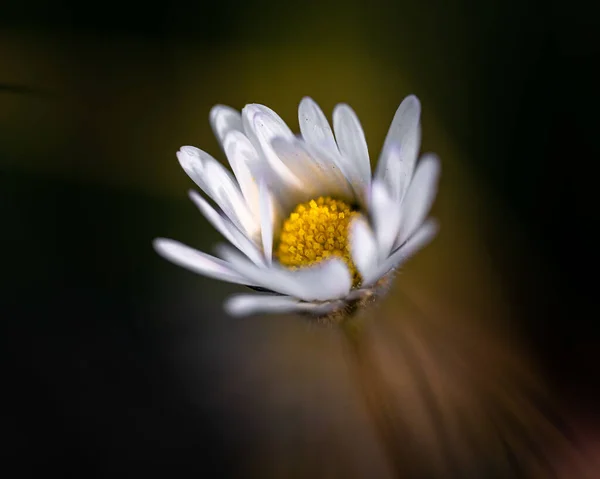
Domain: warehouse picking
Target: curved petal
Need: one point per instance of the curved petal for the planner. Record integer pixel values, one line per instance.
(353, 145)
(262, 125)
(198, 262)
(386, 214)
(219, 185)
(324, 281)
(223, 120)
(266, 221)
(228, 229)
(364, 250)
(317, 173)
(400, 165)
(404, 134)
(314, 126)
(421, 238)
(345, 167)
(420, 196)
(246, 165)
(248, 304)
(332, 164)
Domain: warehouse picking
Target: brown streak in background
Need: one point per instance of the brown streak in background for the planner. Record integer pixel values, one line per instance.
(393, 433)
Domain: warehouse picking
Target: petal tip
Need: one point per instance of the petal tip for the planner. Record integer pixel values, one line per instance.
(162, 245)
(236, 307)
(214, 111)
(307, 100)
(409, 110)
(189, 157)
(341, 108)
(412, 100)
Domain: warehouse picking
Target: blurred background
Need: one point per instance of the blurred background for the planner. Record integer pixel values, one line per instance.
(116, 362)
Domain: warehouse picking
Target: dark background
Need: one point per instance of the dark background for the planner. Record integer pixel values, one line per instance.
(95, 98)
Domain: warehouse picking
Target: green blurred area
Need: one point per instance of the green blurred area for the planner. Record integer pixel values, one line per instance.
(113, 95)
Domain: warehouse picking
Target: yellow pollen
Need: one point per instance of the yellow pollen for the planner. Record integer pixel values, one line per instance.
(317, 230)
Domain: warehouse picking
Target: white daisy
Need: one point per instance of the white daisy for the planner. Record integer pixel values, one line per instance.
(312, 231)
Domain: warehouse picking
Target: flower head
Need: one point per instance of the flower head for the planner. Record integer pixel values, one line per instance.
(309, 228)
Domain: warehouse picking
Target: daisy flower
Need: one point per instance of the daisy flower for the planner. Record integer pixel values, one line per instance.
(310, 229)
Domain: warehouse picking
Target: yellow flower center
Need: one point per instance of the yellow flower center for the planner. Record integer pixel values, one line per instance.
(317, 230)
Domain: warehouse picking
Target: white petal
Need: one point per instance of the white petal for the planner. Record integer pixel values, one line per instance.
(262, 125)
(330, 162)
(364, 250)
(266, 222)
(225, 119)
(197, 261)
(353, 145)
(386, 214)
(400, 165)
(219, 184)
(247, 166)
(247, 304)
(318, 174)
(191, 160)
(421, 238)
(226, 193)
(340, 171)
(324, 281)
(314, 125)
(420, 196)
(404, 134)
(228, 229)
(296, 158)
